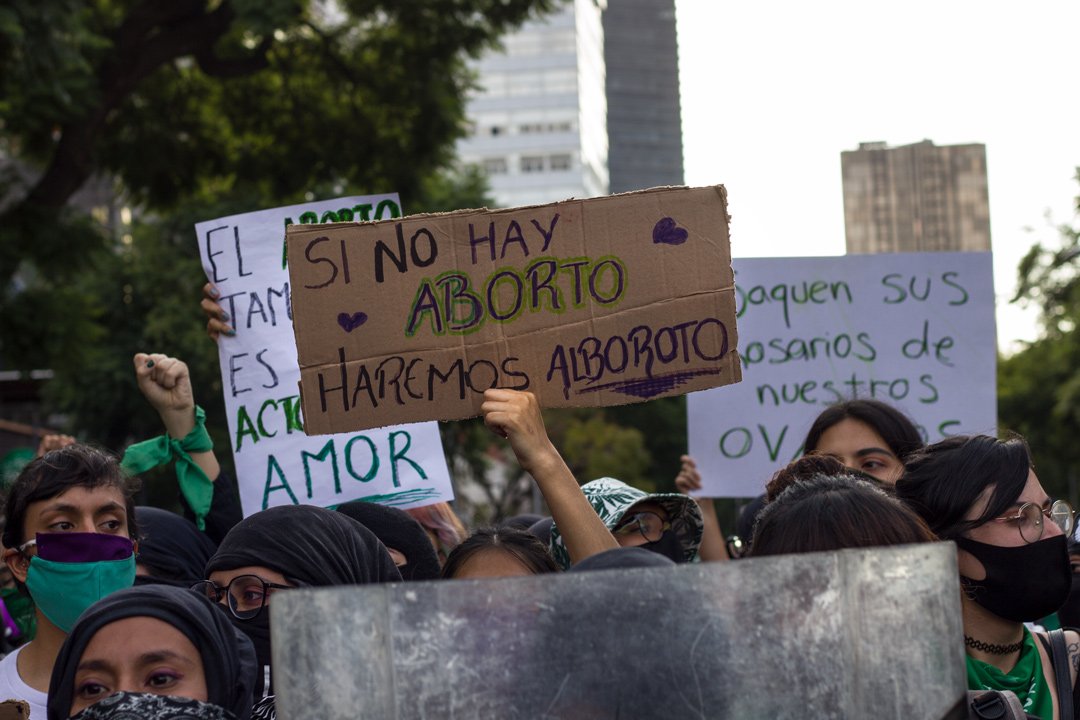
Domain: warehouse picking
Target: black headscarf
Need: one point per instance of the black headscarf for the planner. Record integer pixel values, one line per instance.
(171, 547)
(227, 655)
(622, 557)
(309, 545)
(399, 530)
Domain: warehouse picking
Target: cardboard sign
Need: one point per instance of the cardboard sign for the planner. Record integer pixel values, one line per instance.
(915, 330)
(276, 463)
(584, 303)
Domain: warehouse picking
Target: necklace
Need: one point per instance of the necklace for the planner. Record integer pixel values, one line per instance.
(991, 648)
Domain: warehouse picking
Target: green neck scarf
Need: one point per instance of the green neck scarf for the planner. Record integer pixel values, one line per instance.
(1026, 679)
(197, 489)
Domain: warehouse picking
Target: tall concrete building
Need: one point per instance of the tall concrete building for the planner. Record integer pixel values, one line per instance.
(644, 117)
(538, 124)
(919, 197)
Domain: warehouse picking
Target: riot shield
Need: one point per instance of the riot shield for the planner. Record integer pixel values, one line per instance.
(852, 634)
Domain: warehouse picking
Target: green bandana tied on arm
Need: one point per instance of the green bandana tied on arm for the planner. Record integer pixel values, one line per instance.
(196, 487)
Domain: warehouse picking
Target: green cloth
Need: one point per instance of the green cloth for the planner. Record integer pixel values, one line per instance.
(197, 489)
(1026, 679)
(1051, 622)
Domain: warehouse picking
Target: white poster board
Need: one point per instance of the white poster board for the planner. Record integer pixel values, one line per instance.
(276, 463)
(915, 330)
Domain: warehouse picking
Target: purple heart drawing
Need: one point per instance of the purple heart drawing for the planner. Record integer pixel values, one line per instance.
(668, 232)
(349, 322)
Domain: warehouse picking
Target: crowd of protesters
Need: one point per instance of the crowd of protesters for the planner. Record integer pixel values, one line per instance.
(113, 610)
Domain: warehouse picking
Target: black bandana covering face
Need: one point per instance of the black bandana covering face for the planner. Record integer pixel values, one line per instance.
(146, 706)
(1023, 583)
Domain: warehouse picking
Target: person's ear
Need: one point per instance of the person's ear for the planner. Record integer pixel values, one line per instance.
(17, 563)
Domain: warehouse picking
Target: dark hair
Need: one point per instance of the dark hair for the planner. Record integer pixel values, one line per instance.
(524, 546)
(942, 481)
(56, 472)
(832, 512)
(894, 427)
(810, 466)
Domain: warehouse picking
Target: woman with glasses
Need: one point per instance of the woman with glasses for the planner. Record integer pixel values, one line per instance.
(666, 523)
(282, 548)
(983, 494)
(149, 652)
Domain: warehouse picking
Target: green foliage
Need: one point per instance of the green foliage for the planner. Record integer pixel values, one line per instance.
(265, 100)
(1039, 387)
(595, 448)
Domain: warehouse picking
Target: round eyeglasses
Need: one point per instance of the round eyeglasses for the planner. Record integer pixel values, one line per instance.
(1029, 519)
(651, 526)
(246, 595)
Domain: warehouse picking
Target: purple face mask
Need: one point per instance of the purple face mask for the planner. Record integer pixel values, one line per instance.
(77, 547)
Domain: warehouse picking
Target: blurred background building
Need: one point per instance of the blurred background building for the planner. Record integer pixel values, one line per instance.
(581, 103)
(644, 117)
(912, 198)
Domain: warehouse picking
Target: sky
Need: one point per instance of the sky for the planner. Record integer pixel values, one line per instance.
(772, 92)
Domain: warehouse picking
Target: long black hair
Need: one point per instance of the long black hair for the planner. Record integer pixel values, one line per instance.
(942, 481)
(894, 427)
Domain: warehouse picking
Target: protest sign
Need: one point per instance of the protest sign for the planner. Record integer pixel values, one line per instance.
(915, 330)
(276, 463)
(583, 302)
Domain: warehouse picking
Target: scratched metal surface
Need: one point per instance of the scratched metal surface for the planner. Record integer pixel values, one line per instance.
(853, 634)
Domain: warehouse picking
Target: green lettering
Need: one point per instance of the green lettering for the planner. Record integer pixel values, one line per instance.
(328, 450)
(244, 426)
(372, 469)
(259, 418)
(395, 211)
(395, 456)
(273, 466)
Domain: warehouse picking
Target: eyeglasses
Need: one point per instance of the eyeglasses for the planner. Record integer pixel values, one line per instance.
(651, 526)
(1030, 519)
(246, 594)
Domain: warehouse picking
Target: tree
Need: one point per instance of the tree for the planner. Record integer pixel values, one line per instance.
(189, 98)
(1039, 387)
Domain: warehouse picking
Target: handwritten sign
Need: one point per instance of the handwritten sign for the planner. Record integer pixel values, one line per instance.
(276, 463)
(594, 302)
(915, 330)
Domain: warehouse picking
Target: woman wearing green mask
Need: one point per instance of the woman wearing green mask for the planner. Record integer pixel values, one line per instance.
(70, 524)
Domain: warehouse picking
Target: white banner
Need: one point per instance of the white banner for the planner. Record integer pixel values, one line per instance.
(276, 463)
(915, 330)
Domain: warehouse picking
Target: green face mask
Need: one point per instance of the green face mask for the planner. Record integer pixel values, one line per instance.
(21, 609)
(63, 590)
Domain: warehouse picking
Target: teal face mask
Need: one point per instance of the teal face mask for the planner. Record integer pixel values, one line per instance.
(63, 590)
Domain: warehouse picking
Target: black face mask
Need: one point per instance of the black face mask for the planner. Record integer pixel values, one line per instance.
(1023, 583)
(669, 546)
(258, 631)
